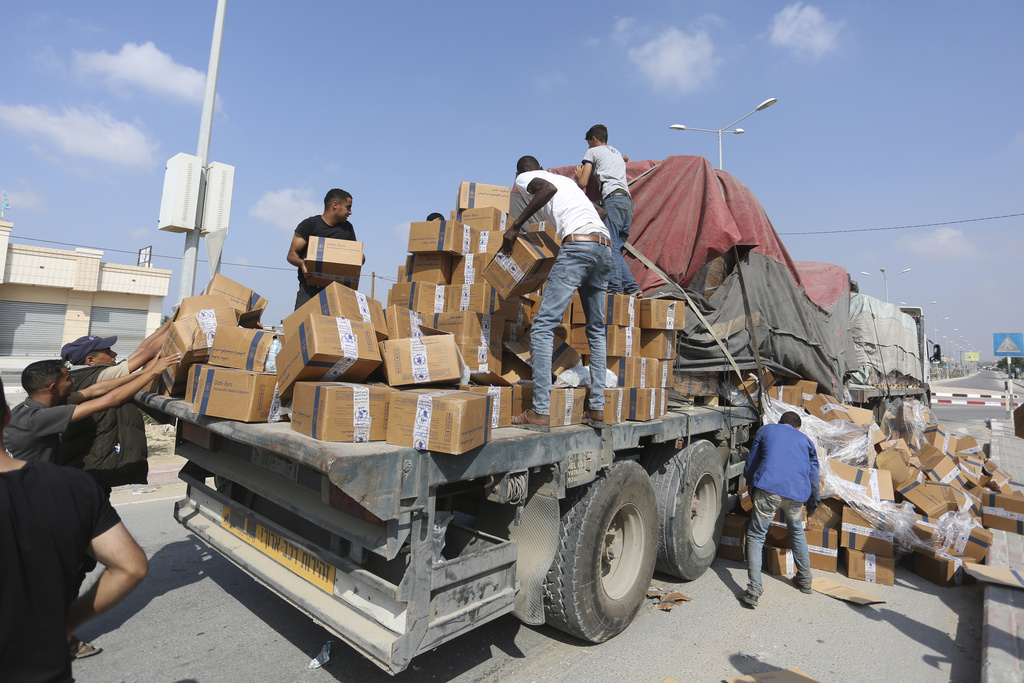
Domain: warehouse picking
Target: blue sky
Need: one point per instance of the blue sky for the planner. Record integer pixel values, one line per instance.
(889, 114)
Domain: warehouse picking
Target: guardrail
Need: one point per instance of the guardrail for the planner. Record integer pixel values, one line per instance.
(960, 398)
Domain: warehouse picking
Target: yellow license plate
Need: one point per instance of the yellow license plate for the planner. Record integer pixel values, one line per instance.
(287, 554)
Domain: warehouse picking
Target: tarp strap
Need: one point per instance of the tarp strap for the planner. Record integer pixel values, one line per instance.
(750, 329)
(700, 316)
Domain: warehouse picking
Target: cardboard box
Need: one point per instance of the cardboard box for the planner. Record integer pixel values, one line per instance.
(336, 411)
(422, 297)
(450, 237)
(577, 338)
(1003, 511)
(431, 359)
(940, 468)
(468, 269)
(479, 196)
(929, 499)
(191, 305)
(453, 422)
(860, 534)
(695, 383)
(829, 513)
(486, 218)
(191, 335)
(327, 349)
(563, 357)
(517, 312)
(331, 260)
(733, 545)
(338, 301)
(241, 348)
(526, 269)
(658, 344)
(790, 395)
(643, 405)
(743, 498)
(892, 460)
(404, 324)
(621, 310)
(622, 341)
(662, 314)
(481, 360)
(826, 407)
(471, 328)
(862, 417)
(505, 402)
(939, 567)
(778, 561)
(778, 530)
(638, 372)
(435, 267)
(870, 567)
(823, 548)
(614, 405)
(973, 543)
(567, 404)
(935, 435)
(248, 304)
(236, 394)
(750, 381)
(875, 484)
(968, 444)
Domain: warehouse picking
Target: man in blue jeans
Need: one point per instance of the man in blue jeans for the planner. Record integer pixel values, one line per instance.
(608, 166)
(782, 469)
(583, 264)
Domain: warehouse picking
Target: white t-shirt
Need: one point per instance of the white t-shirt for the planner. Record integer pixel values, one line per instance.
(609, 167)
(570, 211)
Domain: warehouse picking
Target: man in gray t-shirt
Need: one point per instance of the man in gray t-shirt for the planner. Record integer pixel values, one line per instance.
(608, 167)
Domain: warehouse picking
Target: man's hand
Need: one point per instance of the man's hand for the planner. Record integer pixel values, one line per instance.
(508, 240)
(812, 504)
(158, 365)
(579, 172)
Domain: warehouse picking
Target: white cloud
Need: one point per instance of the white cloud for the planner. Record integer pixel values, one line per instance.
(285, 208)
(94, 134)
(551, 81)
(805, 30)
(944, 244)
(676, 62)
(147, 67)
(623, 30)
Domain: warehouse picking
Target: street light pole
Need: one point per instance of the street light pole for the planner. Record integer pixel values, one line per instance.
(885, 278)
(738, 131)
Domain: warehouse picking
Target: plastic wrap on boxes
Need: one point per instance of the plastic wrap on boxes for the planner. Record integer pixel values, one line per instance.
(906, 418)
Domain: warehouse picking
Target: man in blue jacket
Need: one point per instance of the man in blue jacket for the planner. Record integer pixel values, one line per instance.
(782, 469)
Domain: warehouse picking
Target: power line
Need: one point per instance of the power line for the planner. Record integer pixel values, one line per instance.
(903, 227)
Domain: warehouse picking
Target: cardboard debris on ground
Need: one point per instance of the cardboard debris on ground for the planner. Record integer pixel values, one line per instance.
(839, 591)
(793, 675)
(997, 575)
(671, 599)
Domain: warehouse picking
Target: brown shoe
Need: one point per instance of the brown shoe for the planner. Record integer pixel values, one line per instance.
(530, 419)
(594, 418)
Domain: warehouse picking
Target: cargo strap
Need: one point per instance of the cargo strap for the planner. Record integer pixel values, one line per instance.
(750, 329)
(700, 316)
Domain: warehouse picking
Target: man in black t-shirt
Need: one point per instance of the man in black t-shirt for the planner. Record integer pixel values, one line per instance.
(52, 519)
(333, 224)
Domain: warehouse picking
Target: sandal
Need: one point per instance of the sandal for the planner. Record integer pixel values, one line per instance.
(590, 421)
(79, 649)
(522, 420)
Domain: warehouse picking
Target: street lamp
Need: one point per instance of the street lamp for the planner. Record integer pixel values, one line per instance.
(764, 105)
(886, 279)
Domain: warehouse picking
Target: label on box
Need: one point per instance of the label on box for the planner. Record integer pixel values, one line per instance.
(865, 531)
(869, 567)
(464, 299)
(275, 406)
(961, 542)
(364, 307)
(873, 478)
(485, 329)
(360, 413)
(495, 393)
(570, 399)
(415, 321)
(818, 550)
(1000, 512)
(439, 300)
(481, 359)
(418, 361)
(643, 372)
(664, 373)
(468, 271)
(670, 316)
(790, 569)
(421, 427)
(349, 347)
(862, 490)
(808, 397)
(629, 339)
(482, 243)
(467, 242)
(519, 315)
(825, 408)
(632, 312)
(207, 319)
(509, 266)
(953, 474)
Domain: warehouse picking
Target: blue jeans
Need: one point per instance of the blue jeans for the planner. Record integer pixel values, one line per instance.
(620, 216)
(583, 267)
(765, 505)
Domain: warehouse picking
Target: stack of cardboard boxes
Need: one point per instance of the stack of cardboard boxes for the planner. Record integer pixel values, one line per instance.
(955, 496)
(353, 371)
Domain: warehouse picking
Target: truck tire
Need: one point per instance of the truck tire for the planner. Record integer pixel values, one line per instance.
(689, 486)
(607, 547)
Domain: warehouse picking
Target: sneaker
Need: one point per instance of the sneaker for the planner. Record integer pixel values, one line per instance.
(748, 598)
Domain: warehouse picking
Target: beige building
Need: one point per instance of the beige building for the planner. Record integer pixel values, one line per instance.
(49, 297)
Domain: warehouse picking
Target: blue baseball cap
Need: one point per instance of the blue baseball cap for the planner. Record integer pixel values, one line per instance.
(76, 351)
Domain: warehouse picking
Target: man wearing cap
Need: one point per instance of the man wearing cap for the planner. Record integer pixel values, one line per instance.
(111, 444)
(583, 264)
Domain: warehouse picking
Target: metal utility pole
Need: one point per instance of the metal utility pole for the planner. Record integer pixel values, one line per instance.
(191, 257)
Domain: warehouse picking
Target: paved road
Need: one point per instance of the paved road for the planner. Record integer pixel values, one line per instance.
(198, 618)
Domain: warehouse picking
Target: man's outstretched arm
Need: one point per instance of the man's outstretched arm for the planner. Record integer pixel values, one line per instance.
(126, 566)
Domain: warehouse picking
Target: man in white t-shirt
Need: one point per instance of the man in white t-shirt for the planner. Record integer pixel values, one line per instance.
(608, 166)
(583, 264)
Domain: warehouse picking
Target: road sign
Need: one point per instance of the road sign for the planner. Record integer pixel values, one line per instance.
(1008, 343)
(972, 355)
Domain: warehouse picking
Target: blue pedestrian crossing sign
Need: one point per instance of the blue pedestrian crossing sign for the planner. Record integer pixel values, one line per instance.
(1008, 343)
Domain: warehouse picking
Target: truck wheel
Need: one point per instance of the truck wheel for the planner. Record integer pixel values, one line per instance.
(606, 551)
(689, 485)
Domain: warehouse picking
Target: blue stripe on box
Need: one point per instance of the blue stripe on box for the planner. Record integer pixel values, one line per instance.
(472, 196)
(325, 307)
(487, 423)
(1016, 575)
(206, 393)
(250, 358)
(316, 411)
(440, 235)
(302, 344)
(253, 300)
(321, 244)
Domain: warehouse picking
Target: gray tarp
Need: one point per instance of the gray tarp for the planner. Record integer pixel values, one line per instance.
(886, 342)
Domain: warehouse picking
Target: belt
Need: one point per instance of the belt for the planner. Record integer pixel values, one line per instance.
(588, 238)
(615, 192)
